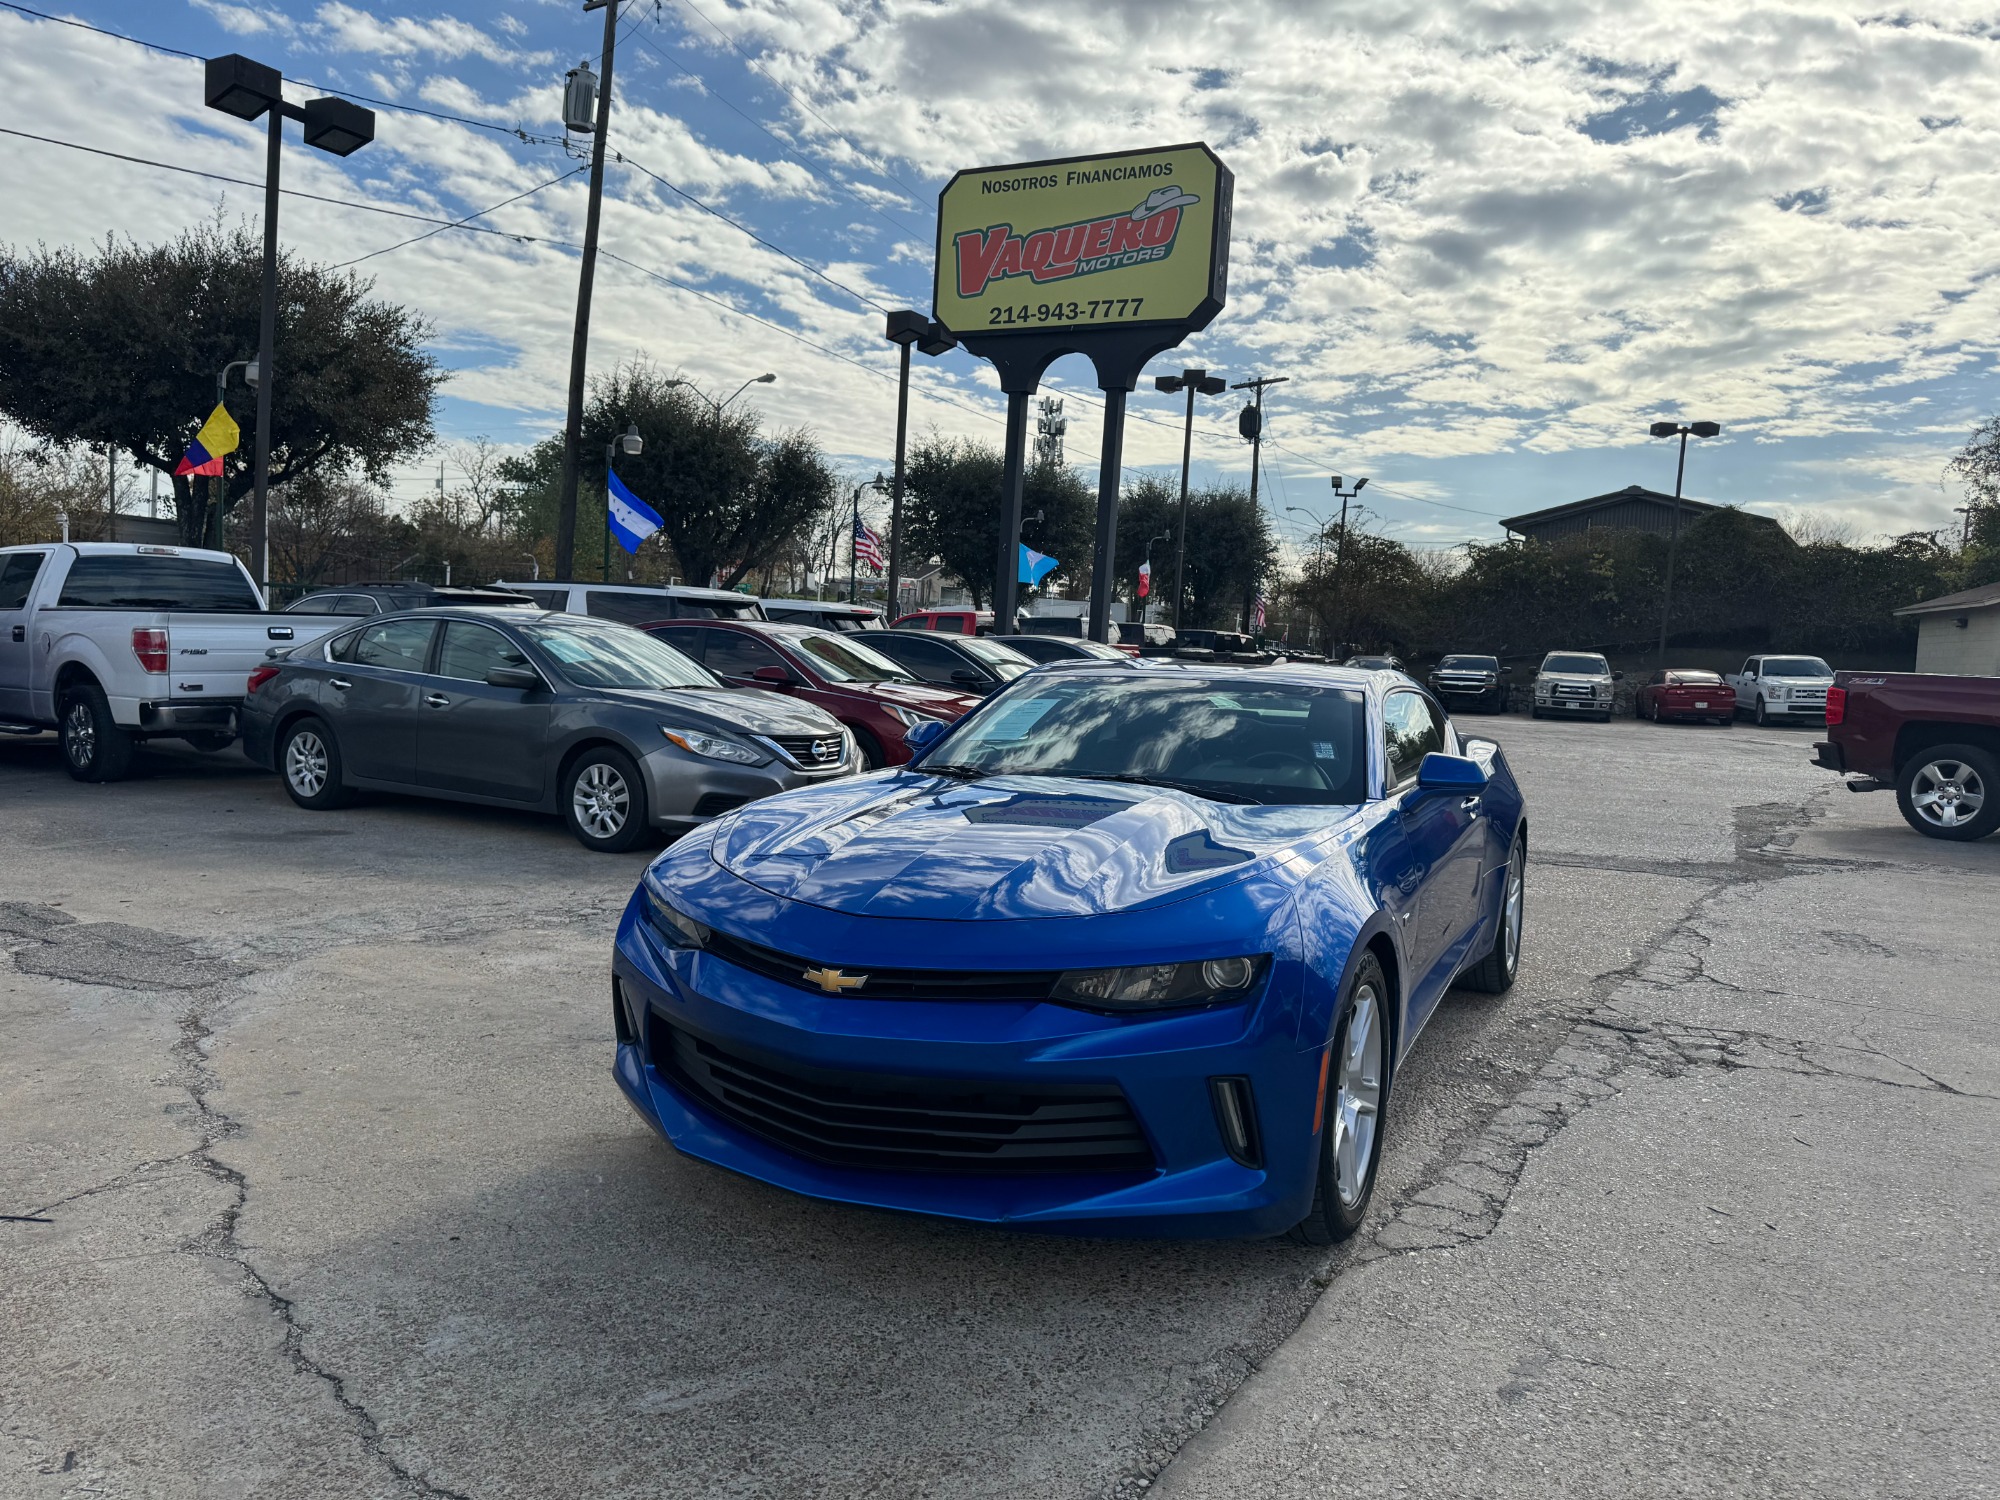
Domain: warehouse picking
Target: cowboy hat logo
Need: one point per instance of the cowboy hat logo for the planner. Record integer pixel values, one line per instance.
(1161, 199)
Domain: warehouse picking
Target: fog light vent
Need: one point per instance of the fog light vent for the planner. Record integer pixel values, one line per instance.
(1236, 1118)
(623, 1021)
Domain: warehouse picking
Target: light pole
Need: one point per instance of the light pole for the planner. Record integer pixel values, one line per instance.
(586, 111)
(1194, 382)
(718, 407)
(1684, 431)
(904, 328)
(628, 442)
(1319, 547)
(1340, 553)
(248, 90)
(1250, 423)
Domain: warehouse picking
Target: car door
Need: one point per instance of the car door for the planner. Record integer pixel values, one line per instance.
(17, 581)
(474, 737)
(1440, 850)
(1746, 684)
(374, 699)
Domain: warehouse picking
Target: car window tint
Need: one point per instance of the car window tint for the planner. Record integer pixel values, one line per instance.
(729, 654)
(17, 576)
(400, 645)
(469, 652)
(933, 661)
(630, 609)
(1410, 731)
(690, 640)
(151, 581)
(950, 624)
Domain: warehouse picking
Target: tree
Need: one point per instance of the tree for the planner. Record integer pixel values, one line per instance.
(951, 508)
(730, 500)
(123, 347)
(1978, 465)
(1230, 550)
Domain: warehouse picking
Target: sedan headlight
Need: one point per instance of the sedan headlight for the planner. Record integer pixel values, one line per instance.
(909, 718)
(714, 746)
(675, 927)
(1160, 986)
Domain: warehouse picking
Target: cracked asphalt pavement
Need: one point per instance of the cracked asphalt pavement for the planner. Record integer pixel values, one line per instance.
(314, 1183)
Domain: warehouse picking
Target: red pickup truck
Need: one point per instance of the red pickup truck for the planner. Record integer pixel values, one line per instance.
(1933, 740)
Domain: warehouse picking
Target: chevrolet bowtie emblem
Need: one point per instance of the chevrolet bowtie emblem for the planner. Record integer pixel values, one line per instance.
(833, 981)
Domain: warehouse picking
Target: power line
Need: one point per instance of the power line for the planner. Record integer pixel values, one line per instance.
(457, 223)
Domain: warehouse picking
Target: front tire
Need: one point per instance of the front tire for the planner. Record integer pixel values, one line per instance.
(1763, 716)
(95, 748)
(604, 801)
(1950, 792)
(1356, 1094)
(309, 766)
(872, 758)
(1495, 973)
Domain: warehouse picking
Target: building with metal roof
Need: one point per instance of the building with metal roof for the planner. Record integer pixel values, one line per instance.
(1634, 508)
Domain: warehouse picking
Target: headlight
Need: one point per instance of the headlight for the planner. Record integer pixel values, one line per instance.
(675, 927)
(909, 718)
(714, 746)
(1159, 986)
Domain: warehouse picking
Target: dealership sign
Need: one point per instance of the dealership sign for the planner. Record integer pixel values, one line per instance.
(1130, 240)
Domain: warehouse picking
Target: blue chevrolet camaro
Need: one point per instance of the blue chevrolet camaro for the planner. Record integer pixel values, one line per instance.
(1127, 950)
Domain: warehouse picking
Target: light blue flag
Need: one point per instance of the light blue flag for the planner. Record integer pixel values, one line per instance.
(632, 520)
(1035, 566)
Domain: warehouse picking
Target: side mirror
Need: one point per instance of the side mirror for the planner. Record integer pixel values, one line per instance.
(772, 677)
(1617, 676)
(527, 679)
(920, 737)
(1451, 773)
(965, 677)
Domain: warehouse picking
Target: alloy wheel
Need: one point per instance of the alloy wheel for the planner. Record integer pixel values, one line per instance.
(602, 800)
(1948, 793)
(306, 763)
(1510, 914)
(80, 734)
(1357, 1098)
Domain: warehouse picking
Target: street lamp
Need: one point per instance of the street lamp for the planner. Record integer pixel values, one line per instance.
(1684, 431)
(905, 327)
(248, 90)
(1340, 549)
(632, 445)
(1194, 382)
(718, 407)
(878, 483)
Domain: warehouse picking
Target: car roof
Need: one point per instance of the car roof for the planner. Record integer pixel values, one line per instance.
(664, 590)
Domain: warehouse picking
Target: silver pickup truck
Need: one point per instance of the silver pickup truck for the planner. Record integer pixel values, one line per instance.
(112, 643)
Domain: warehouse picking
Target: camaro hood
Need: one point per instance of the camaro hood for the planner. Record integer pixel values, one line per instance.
(920, 846)
(750, 709)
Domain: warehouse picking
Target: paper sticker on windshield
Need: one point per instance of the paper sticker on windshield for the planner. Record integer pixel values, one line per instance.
(1324, 750)
(1016, 719)
(1194, 852)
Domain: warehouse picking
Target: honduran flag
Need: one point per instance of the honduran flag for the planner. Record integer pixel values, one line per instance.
(631, 519)
(216, 440)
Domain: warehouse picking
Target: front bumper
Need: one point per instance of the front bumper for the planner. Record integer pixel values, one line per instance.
(1189, 1187)
(683, 790)
(1574, 705)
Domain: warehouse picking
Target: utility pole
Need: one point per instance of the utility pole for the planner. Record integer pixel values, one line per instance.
(1196, 382)
(1251, 423)
(580, 342)
(1684, 430)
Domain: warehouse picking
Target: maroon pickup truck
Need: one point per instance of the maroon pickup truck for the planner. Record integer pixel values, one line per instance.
(1933, 740)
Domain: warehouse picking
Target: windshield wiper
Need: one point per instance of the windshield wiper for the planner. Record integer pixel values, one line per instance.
(1137, 778)
(955, 772)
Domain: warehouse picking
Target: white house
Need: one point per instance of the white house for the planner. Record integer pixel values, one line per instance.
(1959, 633)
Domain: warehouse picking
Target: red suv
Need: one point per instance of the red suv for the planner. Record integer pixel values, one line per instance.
(949, 621)
(870, 694)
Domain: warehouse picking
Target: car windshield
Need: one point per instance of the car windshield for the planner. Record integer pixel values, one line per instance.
(1469, 664)
(1585, 666)
(1697, 679)
(1796, 666)
(849, 661)
(1002, 660)
(616, 656)
(1372, 663)
(1230, 741)
(1099, 649)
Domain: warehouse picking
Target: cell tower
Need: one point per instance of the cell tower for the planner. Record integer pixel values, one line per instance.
(1049, 430)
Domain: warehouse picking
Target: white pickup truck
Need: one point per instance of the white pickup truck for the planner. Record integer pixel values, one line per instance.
(1785, 688)
(112, 643)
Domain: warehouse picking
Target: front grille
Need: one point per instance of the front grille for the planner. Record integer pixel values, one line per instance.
(887, 984)
(715, 804)
(1573, 690)
(813, 751)
(908, 1124)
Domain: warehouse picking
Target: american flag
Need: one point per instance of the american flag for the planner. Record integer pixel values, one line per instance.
(1257, 614)
(867, 545)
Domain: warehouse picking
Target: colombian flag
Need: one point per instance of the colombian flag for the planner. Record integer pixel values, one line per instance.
(216, 440)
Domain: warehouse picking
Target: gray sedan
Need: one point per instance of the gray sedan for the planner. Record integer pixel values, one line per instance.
(597, 722)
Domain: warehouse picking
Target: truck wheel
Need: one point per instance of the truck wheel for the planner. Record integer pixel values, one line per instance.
(94, 747)
(1950, 792)
(1763, 717)
(309, 765)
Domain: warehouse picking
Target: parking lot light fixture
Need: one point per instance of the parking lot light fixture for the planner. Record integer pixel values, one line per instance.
(906, 327)
(1195, 382)
(1684, 431)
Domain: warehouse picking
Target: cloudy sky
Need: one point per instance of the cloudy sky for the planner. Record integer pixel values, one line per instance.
(1488, 243)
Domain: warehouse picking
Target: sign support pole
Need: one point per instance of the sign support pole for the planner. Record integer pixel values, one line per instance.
(1013, 494)
(1109, 470)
